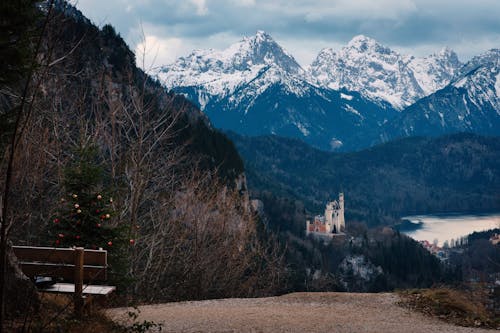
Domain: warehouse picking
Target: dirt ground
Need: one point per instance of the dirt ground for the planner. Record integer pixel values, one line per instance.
(297, 312)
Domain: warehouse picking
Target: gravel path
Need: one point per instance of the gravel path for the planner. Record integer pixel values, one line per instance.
(297, 312)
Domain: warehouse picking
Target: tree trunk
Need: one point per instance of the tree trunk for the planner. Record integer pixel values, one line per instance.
(20, 292)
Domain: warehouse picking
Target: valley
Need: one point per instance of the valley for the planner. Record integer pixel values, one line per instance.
(202, 182)
(455, 173)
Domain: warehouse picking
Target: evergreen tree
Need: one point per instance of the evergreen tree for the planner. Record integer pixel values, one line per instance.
(18, 32)
(17, 29)
(85, 218)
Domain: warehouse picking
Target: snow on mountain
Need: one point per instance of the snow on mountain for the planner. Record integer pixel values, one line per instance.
(220, 73)
(346, 98)
(255, 87)
(480, 77)
(380, 73)
(435, 71)
(364, 65)
(471, 103)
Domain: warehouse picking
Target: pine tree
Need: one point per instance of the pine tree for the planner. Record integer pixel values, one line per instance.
(85, 217)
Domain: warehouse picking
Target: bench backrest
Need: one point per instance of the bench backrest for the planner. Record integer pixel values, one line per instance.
(61, 262)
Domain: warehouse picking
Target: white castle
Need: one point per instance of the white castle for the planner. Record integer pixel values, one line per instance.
(332, 222)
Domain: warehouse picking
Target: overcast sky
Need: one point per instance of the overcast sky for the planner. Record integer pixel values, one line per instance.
(173, 28)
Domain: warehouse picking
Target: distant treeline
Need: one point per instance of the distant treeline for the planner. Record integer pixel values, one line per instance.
(454, 173)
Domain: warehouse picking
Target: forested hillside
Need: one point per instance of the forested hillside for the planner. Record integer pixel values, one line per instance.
(89, 125)
(456, 173)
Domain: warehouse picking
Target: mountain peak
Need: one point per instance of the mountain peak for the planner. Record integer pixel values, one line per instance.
(259, 39)
(264, 50)
(253, 60)
(382, 74)
(446, 51)
(491, 56)
(262, 35)
(449, 54)
(362, 42)
(490, 59)
(327, 51)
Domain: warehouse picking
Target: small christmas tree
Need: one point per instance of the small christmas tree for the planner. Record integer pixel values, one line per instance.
(86, 212)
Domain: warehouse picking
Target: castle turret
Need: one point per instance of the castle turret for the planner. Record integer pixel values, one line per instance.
(329, 217)
(341, 212)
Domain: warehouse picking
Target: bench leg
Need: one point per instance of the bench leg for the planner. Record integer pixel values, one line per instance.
(78, 303)
(78, 296)
(89, 304)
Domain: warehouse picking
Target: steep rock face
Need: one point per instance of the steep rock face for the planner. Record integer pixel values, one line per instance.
(471, 103)
(381, 74)
(435, 71)
(357, 273)
(255, 87)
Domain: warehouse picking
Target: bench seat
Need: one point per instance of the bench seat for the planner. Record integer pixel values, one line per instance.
(88, 289)
(81, 266)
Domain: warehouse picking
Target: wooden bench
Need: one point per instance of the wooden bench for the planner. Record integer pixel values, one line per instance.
(75, 266)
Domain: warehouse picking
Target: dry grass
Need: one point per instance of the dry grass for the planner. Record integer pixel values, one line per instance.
(56, 315)
(454, 306)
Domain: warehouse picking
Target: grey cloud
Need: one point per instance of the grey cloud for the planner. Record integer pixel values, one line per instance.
(403, 23)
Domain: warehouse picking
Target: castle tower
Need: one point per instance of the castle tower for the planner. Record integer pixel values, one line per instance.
(341, 212)
(329, 217)
(333, 222)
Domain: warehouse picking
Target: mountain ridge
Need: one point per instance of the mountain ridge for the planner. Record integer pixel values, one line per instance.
(424, 74)
(471, 103)
(349, 99)
(263, 95)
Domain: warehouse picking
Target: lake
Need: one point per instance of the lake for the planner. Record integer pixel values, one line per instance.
(445, 227)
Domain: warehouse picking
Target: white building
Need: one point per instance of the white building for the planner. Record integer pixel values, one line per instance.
(332, 222)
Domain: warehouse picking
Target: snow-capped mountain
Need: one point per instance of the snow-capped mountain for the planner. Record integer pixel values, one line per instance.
(471, 103)
(347, 99)
(218, 74)
(381, 74)
(255, 87)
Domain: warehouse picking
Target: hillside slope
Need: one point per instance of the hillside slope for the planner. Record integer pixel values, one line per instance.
(414, 175)
(154, 152)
